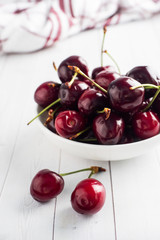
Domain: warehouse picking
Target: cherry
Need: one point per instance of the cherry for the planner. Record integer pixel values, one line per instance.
(108, 131)
(69, 95)
(100, 69)
(46, 93)
(144, 74)
(46, 185)
(122, 97)
(69, 122)
(65, 74)
(146, 124)
(92, 100)
(88, 197)
(128, 136)
(156, 105)
(104, 78)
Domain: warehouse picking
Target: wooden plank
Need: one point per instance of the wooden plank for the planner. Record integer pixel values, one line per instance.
(71, 225)
(136, 197)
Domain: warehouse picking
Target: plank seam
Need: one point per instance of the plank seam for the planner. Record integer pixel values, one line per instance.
(113, 203)
(55, 206)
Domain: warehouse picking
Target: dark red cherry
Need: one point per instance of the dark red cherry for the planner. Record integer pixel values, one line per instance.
(104, 78)
(108, 131)
(65, 74)
(146, 124)
(46, 93)
(92, 100)
(46, 185)
(144, 74)
(122, 98)
(100, 69)
(69, 122)
(128, 137)
(69, 95)
(88, 197)
(156, 105)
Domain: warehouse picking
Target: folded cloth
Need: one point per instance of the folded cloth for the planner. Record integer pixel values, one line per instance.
(27, 26)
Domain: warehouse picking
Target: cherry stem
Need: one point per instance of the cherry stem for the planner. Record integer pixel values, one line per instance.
(146, 86)
(88, 140)
(110, 56)
(51, 114)
(104, 34)
(44, 110)
(151, 102)
(107, 111)
(54, 65)
(79, 133)
(69, 84)
(94, 169)
(76, 69)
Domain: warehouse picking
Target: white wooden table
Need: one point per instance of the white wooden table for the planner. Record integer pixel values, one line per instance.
(132, 207)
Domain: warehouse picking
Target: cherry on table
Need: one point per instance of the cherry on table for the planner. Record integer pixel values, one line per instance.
(146, 124)
(65, 74)
(46, 93)
(46, 185)
(88, 197)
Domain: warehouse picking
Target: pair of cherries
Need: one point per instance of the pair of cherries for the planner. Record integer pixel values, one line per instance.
(87, 198)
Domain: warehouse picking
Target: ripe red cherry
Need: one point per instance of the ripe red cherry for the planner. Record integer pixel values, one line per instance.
(104, 78)
(65, 74)
(100, 69)
(46, 93)
(146, 124)
(88, 197)
(69, 95)
(69, 122)
(92, 100)
(46, 185)
(122, 98)
(144, 74)
(108, 131)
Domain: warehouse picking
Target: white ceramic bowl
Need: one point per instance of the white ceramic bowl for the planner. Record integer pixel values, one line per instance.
(99, 152)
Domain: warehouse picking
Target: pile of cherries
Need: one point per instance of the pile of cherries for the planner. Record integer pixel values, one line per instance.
(108, 108)
(87, 198)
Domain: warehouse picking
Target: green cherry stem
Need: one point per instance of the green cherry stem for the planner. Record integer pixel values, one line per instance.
(113, 60)
(151, 102)
(51, 114)
(76, 69)
(104, 34)
(79, 133)
(69, 84)
(94, 169)
(146, 86)
(45, 109)
(107, 111)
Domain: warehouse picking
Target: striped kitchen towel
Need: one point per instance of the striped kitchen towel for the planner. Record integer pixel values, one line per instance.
(32, 25)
